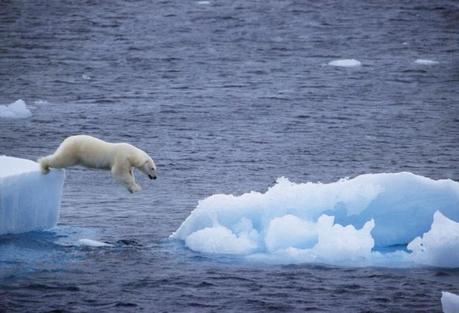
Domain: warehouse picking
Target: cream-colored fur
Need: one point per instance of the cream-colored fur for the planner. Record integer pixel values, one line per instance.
(119, 158)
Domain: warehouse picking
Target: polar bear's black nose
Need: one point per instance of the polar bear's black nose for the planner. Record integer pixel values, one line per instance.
(152, 177)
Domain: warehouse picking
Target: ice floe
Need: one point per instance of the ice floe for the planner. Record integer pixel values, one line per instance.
(345, 63)
(373, 219)
(29, 200)
(17, 109)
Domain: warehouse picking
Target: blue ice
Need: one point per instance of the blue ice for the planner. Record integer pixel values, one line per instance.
(29, 200)
(351, 221)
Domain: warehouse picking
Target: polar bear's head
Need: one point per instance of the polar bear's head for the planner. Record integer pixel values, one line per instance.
(148, 168)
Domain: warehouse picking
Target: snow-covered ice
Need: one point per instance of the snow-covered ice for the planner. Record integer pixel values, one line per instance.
(449, 302)
(425, 62)
(345, 63)
(351, 221)
(29, 200)
(17, 109)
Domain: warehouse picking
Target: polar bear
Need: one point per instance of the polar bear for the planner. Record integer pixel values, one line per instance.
(91, 152)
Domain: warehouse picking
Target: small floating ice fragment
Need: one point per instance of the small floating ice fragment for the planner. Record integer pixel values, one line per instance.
(345, 63)
(203, 2)
(17, 109)
(93, 243)
(86, 77)
(40, 102)
(426, 62)
(449, 302)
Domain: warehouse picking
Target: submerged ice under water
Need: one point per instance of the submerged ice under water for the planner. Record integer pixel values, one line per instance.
(347, 222)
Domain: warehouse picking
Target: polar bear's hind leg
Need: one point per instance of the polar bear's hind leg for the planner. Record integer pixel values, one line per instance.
(55, 160)
(44, 164)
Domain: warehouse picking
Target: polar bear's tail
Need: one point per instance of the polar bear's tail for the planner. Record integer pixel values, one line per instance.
(44, 164)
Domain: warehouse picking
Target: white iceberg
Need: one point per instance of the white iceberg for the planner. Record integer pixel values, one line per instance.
(17, 109)
(449, 302)
(351, 221)
(29, 200)
(345, 63)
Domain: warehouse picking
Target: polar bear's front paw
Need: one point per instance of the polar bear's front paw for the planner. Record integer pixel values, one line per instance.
(134, 188)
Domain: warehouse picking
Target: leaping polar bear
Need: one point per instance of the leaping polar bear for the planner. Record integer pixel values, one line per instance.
(119, 158)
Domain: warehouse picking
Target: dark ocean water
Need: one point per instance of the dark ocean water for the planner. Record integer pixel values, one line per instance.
(226, 96)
